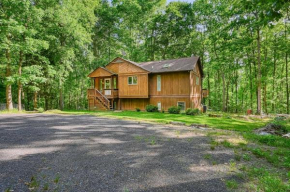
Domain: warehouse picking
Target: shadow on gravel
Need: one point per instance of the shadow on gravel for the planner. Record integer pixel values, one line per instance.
(88, 153)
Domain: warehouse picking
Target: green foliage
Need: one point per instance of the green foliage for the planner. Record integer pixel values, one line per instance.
(270, 140)
(192, 111)
(138, 109)
(174, 110)
(40, 110)
(246, 157)
(58, 43)
(267, 181)
(231, 184)
(151, 108)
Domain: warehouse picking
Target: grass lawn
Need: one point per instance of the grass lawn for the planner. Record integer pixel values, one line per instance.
(225, 122)
(261, 161)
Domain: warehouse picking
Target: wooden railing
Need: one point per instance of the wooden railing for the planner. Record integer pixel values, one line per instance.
(110, 93)
(103, 99)
(96, 94)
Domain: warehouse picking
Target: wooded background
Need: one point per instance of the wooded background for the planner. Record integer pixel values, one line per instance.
(48, 47)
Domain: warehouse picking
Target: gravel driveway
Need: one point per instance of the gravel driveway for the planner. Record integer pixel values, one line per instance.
(89, 153)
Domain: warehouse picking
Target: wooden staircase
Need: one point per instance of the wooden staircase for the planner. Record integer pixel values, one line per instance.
(98, 101)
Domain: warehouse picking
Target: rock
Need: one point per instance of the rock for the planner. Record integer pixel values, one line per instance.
(198, 125)
(271, 129)
(177, 123)
(263, 133)
(287, 135)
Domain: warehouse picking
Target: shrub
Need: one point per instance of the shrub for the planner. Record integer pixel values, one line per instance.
(280, 118)
(138, 110)
(192, 111)
(151, 108)
(40, 110)
(174, 110)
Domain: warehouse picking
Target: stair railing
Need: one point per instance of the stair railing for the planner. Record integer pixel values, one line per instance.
(105, 101)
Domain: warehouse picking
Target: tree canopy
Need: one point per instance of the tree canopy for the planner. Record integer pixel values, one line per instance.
(48, 47)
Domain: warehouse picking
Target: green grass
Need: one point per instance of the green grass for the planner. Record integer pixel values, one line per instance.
(221, 122)
(267, 181)
(11, 111)
(231, 184)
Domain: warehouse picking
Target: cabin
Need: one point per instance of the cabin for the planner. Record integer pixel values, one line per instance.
(127, 85)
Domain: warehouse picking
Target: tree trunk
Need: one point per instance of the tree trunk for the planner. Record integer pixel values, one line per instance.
(287, 84)
(286, 63)
(251, 86)
(224, 92)
(61, 102)
(265, 98)
(273, 82)
(35, 100)
(236, 92)
(19, 81)
(9, 104)
(259, 106)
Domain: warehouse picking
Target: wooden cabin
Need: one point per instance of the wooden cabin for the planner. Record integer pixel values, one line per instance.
(127, 85)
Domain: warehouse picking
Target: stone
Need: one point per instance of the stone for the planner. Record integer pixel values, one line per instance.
(263, 133)
(177, 123)
(287, 135)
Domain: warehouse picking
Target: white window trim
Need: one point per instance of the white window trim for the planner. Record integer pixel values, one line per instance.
(160, 106)
(132, 80)
(160, 83)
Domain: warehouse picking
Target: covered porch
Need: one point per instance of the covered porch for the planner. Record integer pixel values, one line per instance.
(104, 89)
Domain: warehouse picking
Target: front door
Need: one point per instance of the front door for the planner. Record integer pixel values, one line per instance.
(108, 86)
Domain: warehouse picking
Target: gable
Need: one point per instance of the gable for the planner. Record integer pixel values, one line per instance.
(100, 72)
(122, 66)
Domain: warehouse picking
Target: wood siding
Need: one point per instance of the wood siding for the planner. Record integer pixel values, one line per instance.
(132, 104)
(100, 73)
(172, 84)
(133, 91)
(195, 90)
(124, 70)
(170, 101)
(175, 87)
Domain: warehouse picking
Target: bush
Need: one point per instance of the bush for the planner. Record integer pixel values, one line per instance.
(151, 108)
(174, 110)
(192, 112)
(40, 110)
(138, 110)
(280, 118)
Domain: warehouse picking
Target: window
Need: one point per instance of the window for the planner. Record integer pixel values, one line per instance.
(159, 106)
(132, 80)
(107, 83)
(197, 81)
(181, 105)
(158, 82)
(101, 84)
(115, 83)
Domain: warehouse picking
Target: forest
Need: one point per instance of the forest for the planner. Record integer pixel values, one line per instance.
(48, 47)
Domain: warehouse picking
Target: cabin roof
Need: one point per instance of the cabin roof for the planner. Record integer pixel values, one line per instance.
(172, 65)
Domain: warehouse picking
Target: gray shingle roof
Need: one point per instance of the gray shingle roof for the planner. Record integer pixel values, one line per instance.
(173, 65)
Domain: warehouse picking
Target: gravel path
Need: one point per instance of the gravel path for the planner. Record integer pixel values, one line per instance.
(88, 153)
